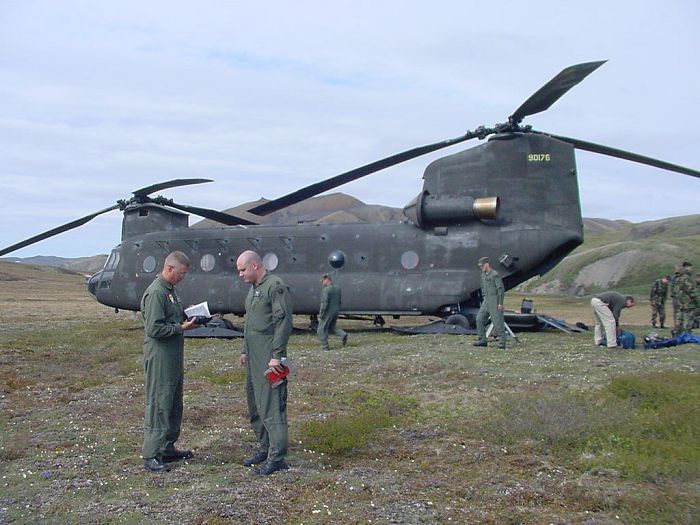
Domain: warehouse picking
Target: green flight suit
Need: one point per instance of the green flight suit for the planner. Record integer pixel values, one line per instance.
(268, 326)
(493, 293)
(163, 362)
(328, 315)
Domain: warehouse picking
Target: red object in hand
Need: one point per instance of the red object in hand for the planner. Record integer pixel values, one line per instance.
(275, 377)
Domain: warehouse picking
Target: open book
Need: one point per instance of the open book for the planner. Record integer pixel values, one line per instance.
(198, 310)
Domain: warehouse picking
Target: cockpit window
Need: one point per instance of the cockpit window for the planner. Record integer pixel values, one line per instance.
(112, 260)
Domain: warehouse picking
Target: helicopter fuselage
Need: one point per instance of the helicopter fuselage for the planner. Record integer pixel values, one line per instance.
(388, 268)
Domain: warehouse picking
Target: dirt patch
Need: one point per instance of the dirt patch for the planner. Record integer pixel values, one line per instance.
(606, 272)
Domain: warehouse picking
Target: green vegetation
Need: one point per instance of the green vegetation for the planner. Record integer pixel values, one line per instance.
(364, 416)
(627, 257)
(389, 429)
(644, 427)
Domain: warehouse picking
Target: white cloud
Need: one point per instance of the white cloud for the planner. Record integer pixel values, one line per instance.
(100, 99)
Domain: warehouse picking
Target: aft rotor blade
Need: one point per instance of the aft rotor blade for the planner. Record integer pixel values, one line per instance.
(168, 184)
(626, 155)
(56, 231)
(218, 216)
(357, 173)
(553, 90)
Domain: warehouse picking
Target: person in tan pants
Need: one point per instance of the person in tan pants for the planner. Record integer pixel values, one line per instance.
(607, 307)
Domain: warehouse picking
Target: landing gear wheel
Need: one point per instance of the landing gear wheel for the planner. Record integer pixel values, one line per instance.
(459, 320)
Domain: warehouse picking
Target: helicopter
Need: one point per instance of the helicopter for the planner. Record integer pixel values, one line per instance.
(514, 199)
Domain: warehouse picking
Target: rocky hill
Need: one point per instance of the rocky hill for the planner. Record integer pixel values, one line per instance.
(622, 255)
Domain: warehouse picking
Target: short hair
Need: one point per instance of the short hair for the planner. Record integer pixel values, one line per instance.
(326, 276)
(177, 258)
(629, 298)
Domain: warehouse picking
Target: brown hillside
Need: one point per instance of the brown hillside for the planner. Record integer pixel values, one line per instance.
(333, 208)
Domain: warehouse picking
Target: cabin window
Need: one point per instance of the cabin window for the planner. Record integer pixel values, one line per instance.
(207, 262)
(409, 260)
(270, 261)
(149, 264)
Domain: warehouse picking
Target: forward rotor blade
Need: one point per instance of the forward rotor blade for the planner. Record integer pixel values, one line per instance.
(218, 216)
(622, 154)
(56, 231)
(553, 90)
(168, 184)
(357, 173)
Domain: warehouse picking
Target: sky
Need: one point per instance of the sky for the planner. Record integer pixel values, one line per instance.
(102, 98)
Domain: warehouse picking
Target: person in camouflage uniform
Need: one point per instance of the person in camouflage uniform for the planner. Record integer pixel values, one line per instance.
(673, 289)
(688, 297)
(268, 326)
(163, 360)
(493, 294)
(657, 300)
(328, 313)
(696, 322)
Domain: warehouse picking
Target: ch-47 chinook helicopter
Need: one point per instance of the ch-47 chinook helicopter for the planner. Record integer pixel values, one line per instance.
(514, 198)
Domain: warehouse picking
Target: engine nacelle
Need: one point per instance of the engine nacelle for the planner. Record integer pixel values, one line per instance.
(429, 210)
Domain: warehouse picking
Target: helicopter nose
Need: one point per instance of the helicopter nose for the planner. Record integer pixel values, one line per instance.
(92, 284)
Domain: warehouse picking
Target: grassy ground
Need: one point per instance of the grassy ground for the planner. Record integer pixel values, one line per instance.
(390, 429)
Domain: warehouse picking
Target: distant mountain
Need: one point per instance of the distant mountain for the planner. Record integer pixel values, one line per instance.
(332, 208)
(82, 265)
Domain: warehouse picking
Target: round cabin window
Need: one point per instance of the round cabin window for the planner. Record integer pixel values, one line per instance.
(409, 260)
(207, 262)
(149, 264)
(270, 261)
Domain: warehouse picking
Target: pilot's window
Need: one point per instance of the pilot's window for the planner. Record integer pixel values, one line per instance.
(149, 264)
(270, 261)
(207, 262)
(112, 261)
(409, 260)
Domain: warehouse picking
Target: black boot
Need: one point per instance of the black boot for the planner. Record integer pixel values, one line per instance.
(271, 466)
(258, 457)
(156, 464)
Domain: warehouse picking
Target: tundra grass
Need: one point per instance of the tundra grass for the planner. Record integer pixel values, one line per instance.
(389, 429)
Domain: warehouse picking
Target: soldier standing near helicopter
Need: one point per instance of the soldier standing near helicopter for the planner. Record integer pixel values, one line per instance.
(673, 286)
(268, 326)
(657, 299)
(493, 293)
(688, 296)
(163, 359)
(328, 313)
